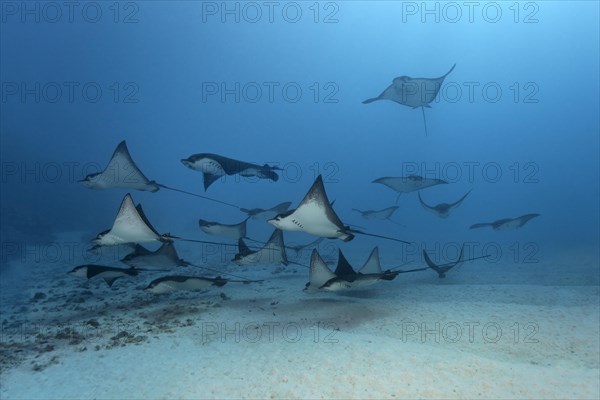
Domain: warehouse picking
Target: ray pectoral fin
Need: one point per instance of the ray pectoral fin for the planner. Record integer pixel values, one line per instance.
(209, 179)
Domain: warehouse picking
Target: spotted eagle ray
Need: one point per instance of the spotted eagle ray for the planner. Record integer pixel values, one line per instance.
(386, 213)
(442, 210)
(407, 184)
(273, 252)
(442, 270)
(233, 231)
(164, 257)
(109, 274)
(130, 226)
(168, 284)
(506, 224)
(122, 172)
(299, 247)
(316, 216)
(344, 277)
(412, 92)
(259, 213)
(214, 166)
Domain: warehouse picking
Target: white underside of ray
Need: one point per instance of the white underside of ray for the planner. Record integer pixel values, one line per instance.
(311, 218)
(208, 166)
(372, 265)
(129, 227)
(121, 172)
(319, 273)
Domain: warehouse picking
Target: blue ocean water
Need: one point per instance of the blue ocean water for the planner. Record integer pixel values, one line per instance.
(282, 83)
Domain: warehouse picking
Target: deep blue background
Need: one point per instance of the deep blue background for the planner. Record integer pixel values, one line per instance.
(170, 53)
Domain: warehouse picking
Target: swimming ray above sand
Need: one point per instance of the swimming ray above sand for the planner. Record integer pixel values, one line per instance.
(259, 213)
(130, 226)
(168, 284)
(164, 257)
(345, 277)
(442, 210)
(229, 231)
(299, 247)
(413, 92)
(443, 269)
(315, 216)
(109, 274)
(214, 166)
(122, 172)
(272, 253)
(507, 224)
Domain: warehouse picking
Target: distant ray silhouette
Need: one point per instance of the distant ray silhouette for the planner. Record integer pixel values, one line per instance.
(385, 214)
(407, 184)
(506, 224)
(230, 231)
(442, 210)
(412, 92)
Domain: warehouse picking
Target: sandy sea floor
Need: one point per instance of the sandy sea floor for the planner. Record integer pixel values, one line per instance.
(477, 334)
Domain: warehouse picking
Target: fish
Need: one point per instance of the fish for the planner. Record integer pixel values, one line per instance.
(214, 166)
(385, 214)
(413, 92)
(315, 216)
(120, 172)
(410, 183)
(506, 224)
(273, 252)
(442, 210)
(130, 226)
(442, 270)
(164, 257)
(345, 277)
(174, 283)
(234, 231)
